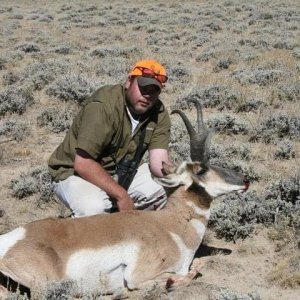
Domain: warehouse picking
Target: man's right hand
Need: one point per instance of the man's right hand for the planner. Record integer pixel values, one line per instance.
(93, 172)
(125, 203)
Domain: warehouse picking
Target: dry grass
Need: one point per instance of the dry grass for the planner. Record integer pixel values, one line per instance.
(251, 49)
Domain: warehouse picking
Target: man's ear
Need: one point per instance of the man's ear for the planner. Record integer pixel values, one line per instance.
(128, 82)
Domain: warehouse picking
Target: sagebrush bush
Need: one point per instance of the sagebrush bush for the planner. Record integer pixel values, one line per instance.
(223, 152)
(16, 296)
(285, 150)
(116, 69)
(259, 76)
(278, 125)
(287, 190)
(249, 105)
(206, 55)
(64, 49)
(217, 96)
(284, 195)
(226, 294)
(3, 61)
(72, 88)
(15, 100)
(16, 129)
(35, 181)
(57, 120)
(116, 51)
(289, 91)
(179, 143)
(28, 47)
(178, 73)
(223, 64)
(228, 124)
(237, 215)
(10, 78)
(60, 290)
(40, 74)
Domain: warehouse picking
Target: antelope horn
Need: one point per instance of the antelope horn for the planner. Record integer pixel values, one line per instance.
(200, 123)
(199, 143)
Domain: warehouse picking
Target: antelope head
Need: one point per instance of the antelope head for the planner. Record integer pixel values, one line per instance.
(215, 180)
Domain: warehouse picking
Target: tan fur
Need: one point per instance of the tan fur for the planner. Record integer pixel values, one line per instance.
(43, 254)
(50, 242)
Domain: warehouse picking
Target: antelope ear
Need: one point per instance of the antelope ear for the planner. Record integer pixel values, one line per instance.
(194, 167)
(173, 180)
(170, 180)
(168, 169)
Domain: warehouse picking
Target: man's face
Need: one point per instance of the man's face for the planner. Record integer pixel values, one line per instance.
(140, 99)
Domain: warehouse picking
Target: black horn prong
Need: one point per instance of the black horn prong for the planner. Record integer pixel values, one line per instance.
(199, 142)
(200, 122)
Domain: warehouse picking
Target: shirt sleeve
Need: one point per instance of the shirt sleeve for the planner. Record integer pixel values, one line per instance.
(161, 135)
(95, 129)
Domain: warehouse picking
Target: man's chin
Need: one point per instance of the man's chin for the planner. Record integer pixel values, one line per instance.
(141, 110)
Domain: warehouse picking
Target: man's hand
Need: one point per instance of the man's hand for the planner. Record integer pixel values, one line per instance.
(125, 203)
(93, 172)
(156, 158)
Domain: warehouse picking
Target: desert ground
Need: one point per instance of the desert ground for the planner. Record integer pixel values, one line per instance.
(240, 59)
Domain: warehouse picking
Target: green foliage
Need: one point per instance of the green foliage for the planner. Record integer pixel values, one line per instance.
(249, 105)
(228, 124)
(259, 76)
(15, 129)
(36, 181)
(237, 215)
(40, 74)
(57, 120)
(115, 51)
(285, 150)
(60, 290)
(15, 100)
(10, 78)
(226, 294)
(218, 96)
(28, 47)
(72, 88)
(289, 91)
(179, 143)
(278, 125)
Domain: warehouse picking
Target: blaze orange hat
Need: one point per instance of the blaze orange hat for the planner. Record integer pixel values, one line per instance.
(151, 72)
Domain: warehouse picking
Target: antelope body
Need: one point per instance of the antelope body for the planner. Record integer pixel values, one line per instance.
(127, 249)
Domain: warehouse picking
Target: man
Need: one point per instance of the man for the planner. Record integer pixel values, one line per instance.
(93, 168)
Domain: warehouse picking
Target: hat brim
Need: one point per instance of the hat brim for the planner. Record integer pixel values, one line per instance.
(144, 81)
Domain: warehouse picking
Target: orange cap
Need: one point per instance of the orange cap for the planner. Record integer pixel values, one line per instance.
(148, 64)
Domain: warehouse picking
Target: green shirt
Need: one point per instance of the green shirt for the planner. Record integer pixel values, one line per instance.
(103, 129)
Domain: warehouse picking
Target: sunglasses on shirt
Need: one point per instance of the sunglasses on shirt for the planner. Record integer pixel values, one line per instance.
(150, 73)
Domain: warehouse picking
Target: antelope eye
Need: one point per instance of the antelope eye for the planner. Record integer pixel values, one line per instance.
(202, 171)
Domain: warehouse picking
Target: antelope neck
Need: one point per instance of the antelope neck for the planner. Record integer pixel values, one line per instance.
(189, 204)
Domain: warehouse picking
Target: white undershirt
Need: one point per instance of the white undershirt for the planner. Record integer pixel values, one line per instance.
(134, 122)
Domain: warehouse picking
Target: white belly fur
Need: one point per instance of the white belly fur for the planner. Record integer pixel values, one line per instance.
(186, 255)
(105, 269)
(8, 240)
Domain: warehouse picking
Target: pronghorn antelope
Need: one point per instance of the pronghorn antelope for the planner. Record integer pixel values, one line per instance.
(129, 249)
